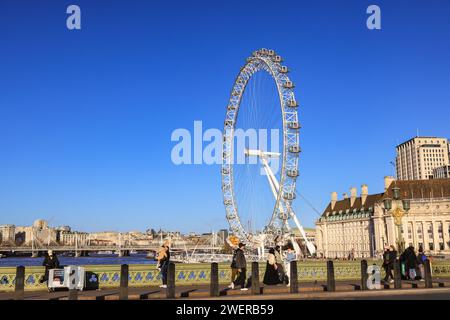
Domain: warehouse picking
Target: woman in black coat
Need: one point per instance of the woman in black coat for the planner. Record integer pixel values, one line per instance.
(271, 276)
(50, 262)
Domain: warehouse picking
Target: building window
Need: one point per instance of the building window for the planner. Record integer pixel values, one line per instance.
(430, 231)
(431, 246)
(419, 231)
(409, 232)
(420, 245)
(441, 246)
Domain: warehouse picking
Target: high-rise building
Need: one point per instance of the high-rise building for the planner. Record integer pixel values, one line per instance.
(418, 157)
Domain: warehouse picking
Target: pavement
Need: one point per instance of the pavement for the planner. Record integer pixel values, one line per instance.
(312, 290)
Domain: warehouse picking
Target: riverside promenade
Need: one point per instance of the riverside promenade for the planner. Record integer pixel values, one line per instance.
(343, 290)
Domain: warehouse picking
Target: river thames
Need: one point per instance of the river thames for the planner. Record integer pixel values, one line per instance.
(103, 259)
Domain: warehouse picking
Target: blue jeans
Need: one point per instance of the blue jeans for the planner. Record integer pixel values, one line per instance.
(164, 268)
(412, 274)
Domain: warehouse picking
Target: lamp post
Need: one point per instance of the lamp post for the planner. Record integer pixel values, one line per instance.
(398, 208)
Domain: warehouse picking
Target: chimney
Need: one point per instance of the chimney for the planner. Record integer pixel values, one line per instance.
(352, 196)
(345, 195)
(387, 182)
(333, 199)
(364, 193)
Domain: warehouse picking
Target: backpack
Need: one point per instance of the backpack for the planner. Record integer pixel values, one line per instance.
(422, 257)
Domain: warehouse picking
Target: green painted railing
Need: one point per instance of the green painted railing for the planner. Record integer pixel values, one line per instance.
(192, 274)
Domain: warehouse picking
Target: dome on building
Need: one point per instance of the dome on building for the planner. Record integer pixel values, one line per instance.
(40, 224)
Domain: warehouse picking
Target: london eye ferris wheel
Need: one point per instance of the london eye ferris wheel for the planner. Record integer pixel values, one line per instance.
(262, 97)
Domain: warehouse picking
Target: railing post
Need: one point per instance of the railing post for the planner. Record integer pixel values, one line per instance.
(255, 278)
(364, 275)
(428, 278)
(293, 277)
(397, 275)
(170, 293)
(331, 283)
(73, 294)
(214, 285)
(123, 292)
(20, 283)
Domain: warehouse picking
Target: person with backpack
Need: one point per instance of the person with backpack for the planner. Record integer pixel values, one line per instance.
(421, 257)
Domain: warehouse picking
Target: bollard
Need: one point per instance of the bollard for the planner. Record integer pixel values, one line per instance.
(428, 278)
(293, 278)
(364, 275)
(331, 283)
(73, 294)
(123, 291)
(20, 283)
(255, 278)
(214, 285)
(170, 293)
(397, 275)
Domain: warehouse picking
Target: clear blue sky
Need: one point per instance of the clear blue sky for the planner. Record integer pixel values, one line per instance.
(86, 116)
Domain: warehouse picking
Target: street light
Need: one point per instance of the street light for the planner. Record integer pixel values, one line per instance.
(398, 208)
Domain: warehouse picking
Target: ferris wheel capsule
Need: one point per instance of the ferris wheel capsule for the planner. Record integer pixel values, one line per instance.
(284, 69)
(294, 149)
(277, 59)
(292, 173)
(292, 104)
(288, 85)
(294, 125)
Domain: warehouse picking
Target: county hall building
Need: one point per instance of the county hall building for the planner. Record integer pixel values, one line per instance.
(362, 224)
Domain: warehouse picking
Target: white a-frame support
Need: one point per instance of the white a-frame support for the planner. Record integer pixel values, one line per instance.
(275, 186)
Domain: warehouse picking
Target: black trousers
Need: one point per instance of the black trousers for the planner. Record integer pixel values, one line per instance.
(389, 269)
(164, 269)
(240, 280)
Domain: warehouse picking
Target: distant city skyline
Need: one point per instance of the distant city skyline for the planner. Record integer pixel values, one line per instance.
(86, 116)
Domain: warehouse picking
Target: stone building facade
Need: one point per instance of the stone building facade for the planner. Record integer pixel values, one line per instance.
(441, 172)
(363, 226)
(7, 234)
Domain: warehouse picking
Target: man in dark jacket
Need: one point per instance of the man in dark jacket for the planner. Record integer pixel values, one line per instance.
(50, 262)
(411, 262)
(389, 257)
(241, 266)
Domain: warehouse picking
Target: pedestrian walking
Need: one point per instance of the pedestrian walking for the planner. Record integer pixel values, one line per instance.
(163, 258)
(279, 262)
(241, 265)
(410, 263)
(234, 270)
(290, 256)
(421, 257)
(389, 258)
(271, 276)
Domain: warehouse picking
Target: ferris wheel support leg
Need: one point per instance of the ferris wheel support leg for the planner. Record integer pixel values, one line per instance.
(275, 187)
